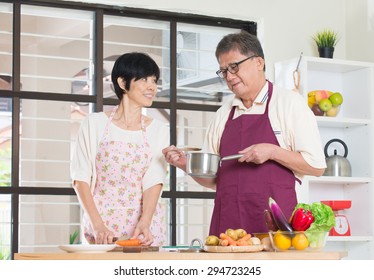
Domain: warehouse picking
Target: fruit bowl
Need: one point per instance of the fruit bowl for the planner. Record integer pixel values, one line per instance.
(324, 102)
(298, 240)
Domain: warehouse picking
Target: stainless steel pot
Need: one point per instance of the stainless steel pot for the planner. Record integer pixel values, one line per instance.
(205, 164)
(337, 165)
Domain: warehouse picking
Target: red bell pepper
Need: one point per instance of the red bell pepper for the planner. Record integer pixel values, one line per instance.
(302, 219)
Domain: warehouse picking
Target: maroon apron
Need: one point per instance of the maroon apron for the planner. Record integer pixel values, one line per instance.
(243, 189)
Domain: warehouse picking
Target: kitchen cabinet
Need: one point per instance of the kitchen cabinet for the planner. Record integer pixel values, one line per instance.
(354, 125)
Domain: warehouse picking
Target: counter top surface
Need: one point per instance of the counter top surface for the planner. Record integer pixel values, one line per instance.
(164, 255)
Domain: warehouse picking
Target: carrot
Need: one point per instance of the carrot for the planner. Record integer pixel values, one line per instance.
(223, 242)
(128, 242)
(231, 241)
(246, 237)
(245, 240)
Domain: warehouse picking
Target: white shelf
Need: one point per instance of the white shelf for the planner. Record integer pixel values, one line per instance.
(350, 238)
(327, 64)
(334, 65)
(341, 122)
(339, 180)
(353, 125)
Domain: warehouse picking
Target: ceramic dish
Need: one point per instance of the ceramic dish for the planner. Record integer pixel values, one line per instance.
(89, 248)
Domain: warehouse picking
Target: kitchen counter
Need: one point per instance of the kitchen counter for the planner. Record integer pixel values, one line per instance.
(164, 255)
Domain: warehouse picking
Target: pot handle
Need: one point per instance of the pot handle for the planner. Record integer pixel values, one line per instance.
(236, 156)
(336, 140)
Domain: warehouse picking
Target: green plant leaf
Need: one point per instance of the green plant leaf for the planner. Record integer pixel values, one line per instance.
(326, 38)
(73, 236)
(5, 254)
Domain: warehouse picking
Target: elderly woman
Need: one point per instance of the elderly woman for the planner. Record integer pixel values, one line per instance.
(118, 168)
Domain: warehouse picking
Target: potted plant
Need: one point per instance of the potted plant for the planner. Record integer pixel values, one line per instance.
(326, 41)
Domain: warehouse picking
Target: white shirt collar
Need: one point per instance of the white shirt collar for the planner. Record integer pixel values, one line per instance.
(260, 99)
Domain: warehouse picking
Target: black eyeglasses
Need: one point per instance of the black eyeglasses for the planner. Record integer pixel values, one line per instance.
(233, 68)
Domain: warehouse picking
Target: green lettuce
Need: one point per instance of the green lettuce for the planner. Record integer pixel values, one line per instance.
(324, 221)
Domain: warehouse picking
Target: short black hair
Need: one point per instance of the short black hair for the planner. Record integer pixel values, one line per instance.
(134, 65)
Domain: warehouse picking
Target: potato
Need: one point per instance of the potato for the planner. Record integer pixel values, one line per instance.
(267, 244)
(212, 240)
(240, 232)
(255, 241)
(232, 233)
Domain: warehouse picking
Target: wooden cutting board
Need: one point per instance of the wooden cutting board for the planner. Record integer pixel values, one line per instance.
(135, 249)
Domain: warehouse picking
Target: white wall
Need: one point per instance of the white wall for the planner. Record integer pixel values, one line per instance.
(360, 30)
(286, 26)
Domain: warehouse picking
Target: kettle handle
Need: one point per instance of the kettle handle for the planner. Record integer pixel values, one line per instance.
(336, 140)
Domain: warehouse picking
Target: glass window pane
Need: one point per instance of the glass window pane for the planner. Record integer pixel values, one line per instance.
(56, 48)
(5, 141)
(47, 221)
(197, 81)
(57, 51)
(165, 202)
(191, 129)
(193, 219)
(5, 227)
(48, 133)
(162, 115)
(5, 84)
(6, 46)
(122, 35)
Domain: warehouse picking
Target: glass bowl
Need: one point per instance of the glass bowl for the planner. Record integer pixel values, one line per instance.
(261, 235)
(298, 240)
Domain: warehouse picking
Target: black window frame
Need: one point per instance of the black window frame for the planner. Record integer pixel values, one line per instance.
(100, 10)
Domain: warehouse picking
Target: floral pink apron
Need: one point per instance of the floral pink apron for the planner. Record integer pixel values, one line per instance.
(120, 167)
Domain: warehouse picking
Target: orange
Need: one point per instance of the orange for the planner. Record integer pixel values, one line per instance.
(282, 241)
(300, 242)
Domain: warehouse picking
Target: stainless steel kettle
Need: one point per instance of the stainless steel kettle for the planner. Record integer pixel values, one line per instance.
(337, 165)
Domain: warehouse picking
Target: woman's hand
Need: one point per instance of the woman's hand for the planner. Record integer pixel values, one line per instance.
(103, 235)
(175, 157)
(143, 233)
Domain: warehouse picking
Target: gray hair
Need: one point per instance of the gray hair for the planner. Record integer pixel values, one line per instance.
(244, 42)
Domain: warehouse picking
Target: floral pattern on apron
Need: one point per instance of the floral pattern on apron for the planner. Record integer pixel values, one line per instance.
(120, 167)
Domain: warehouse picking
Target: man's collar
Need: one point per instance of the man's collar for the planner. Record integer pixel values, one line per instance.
(260, 99)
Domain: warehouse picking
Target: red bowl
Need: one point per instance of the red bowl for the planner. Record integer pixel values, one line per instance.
(338, 204)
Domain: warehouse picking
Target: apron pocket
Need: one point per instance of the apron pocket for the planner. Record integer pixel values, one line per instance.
(251, 212)
(225, 214)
